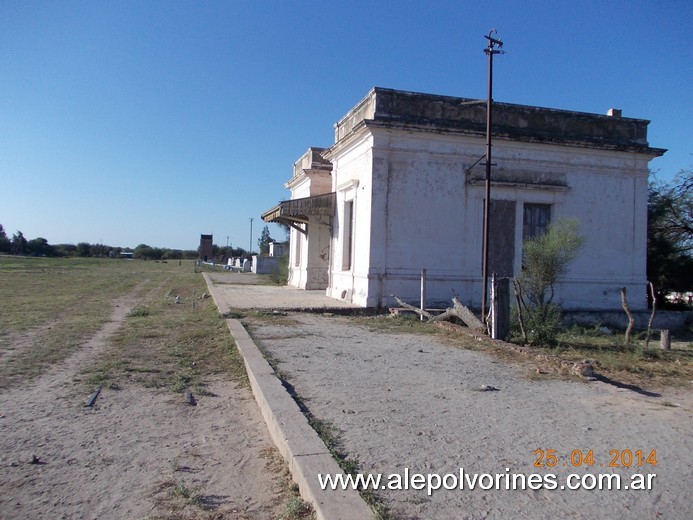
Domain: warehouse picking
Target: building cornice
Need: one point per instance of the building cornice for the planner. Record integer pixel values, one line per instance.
(429, 113)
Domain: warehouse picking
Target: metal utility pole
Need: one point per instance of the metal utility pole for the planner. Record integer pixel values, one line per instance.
(494, 46)
(250, 250)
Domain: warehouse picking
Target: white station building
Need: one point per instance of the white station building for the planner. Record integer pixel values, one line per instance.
(402, 189)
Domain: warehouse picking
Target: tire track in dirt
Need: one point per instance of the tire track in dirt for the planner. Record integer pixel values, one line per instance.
(15, 344)
(123, 457)
(63, 374)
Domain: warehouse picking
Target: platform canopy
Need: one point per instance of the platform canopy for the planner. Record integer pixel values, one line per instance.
(298, 211)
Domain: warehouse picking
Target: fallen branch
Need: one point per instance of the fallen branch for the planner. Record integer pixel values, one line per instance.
(417, 310)
(457, 310)
(467, 316)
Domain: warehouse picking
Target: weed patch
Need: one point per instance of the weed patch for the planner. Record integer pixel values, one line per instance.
(174, 346)
(138, 312)
(295, 508)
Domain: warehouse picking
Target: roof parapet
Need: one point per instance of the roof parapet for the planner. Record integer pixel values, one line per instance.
(387, 107)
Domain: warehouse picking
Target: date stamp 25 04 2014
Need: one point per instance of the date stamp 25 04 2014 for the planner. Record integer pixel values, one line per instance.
(549, 458)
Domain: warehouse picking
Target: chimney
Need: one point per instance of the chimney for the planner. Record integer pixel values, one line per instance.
(614, 112)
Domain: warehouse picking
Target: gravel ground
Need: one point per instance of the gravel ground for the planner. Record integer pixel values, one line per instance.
(411, 401)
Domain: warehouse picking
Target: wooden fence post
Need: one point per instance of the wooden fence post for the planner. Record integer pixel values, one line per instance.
(665, 339)
(631, 319)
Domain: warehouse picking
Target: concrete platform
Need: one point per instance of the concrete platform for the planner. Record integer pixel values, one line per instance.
(245, 291)
(301, 447)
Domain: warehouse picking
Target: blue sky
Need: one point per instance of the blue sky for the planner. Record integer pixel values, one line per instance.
(128, 122)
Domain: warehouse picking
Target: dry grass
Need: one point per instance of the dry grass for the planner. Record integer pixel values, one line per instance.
(49, 307)
(408, 323)
(174, 345)
(34, 291)
(634, 365)
(295, 508)
(181, 500)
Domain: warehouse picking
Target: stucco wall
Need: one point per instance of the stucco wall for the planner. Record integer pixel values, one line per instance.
(300, 187)
(308, 268)
(417, 208)
(351, 182)
(403, 160)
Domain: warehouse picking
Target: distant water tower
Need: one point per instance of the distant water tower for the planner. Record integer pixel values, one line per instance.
(205, 249)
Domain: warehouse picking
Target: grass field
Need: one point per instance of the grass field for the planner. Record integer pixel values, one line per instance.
(172, 338)
(48, 307)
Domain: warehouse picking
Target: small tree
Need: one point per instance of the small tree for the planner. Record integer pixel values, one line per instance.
(281, 275)
(545, 260)
(18, 245)
(40, 247)
(65, 250)
(146, 252)
(4, 241)
(670, 235)
(264, 241)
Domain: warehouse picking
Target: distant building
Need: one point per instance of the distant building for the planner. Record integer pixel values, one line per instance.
(277, 248)
(399, 191)
(205, 249)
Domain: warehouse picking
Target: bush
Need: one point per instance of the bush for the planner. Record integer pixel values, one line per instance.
(545, 259)
(281, 275)
(543, 324)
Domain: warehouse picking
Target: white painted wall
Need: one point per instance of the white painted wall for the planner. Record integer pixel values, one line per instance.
(414, 209)
(351, 182)
(300, 187)
(309, 253)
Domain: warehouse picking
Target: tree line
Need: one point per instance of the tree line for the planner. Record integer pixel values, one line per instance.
(18, 244)
(670, 234)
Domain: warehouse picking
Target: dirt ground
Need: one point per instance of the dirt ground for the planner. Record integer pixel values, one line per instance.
(405, 402)
(137, 453)
(400, 402)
